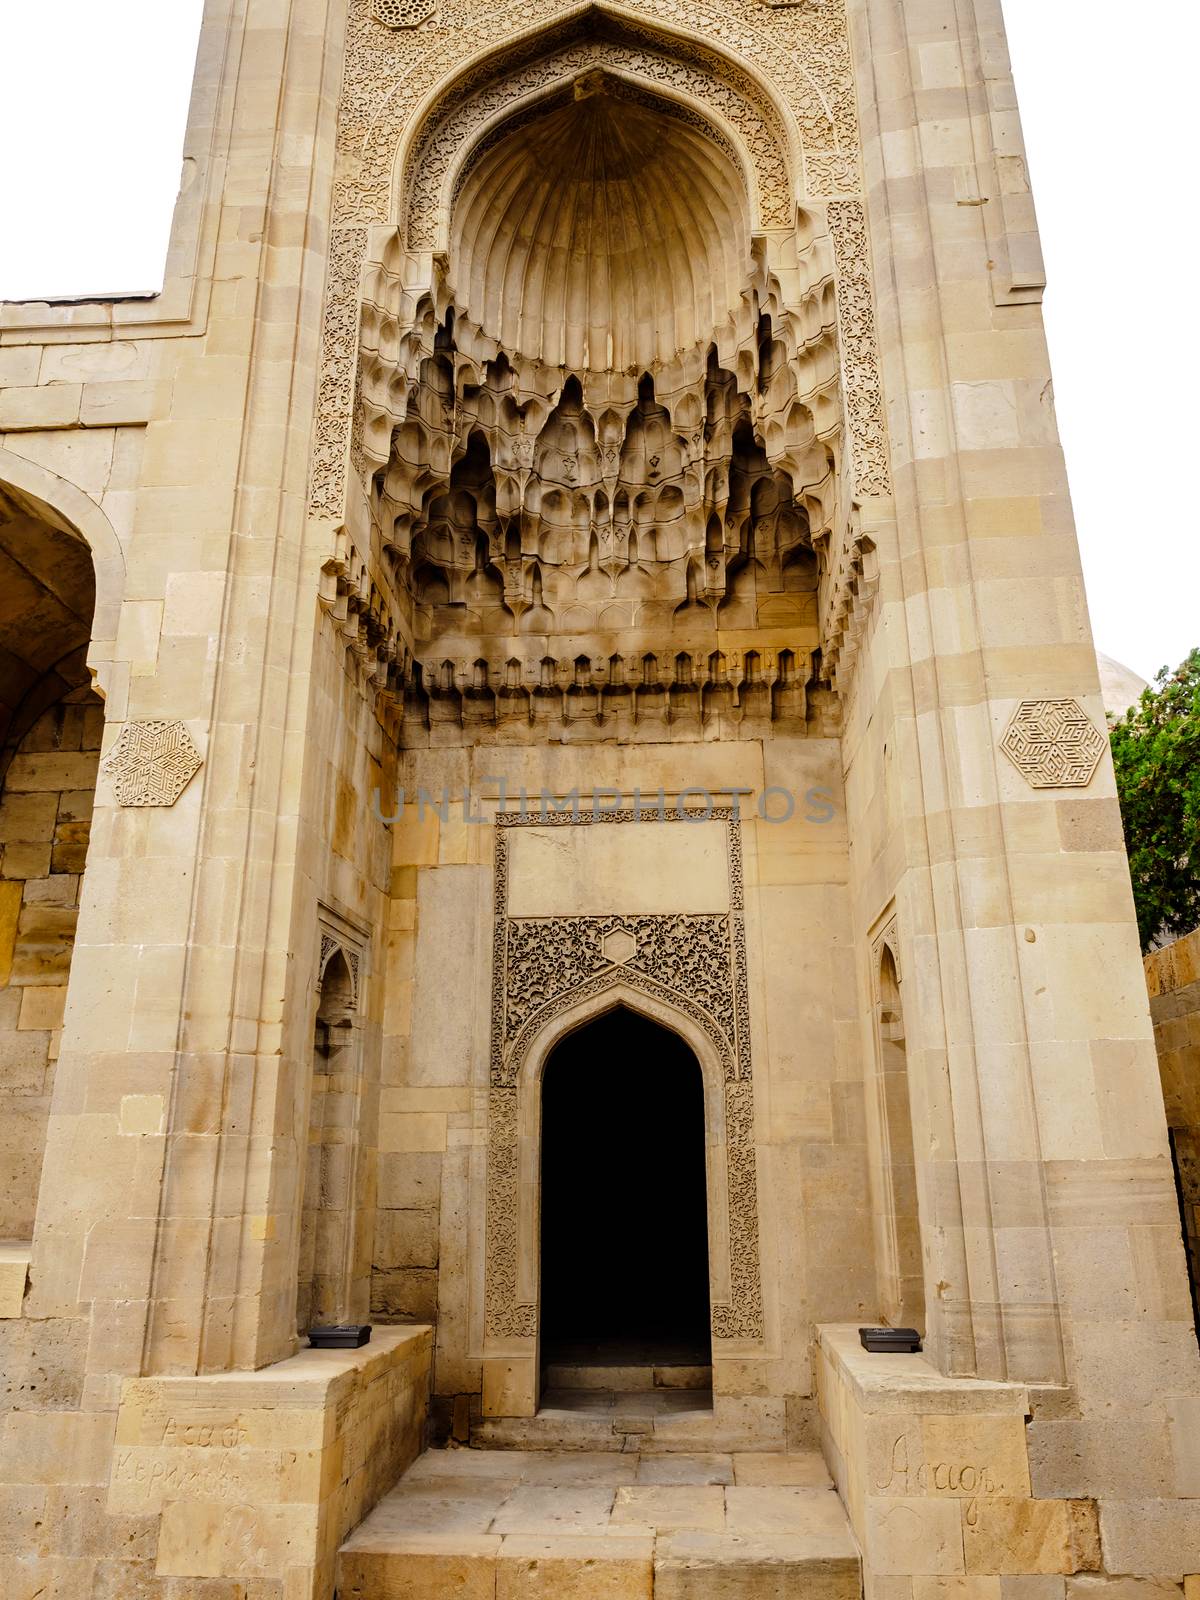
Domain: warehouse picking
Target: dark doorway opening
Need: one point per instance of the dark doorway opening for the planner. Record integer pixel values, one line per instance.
(624, 1198)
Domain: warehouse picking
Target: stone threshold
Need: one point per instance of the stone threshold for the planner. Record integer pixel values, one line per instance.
(648, 1420)
(625, 1378)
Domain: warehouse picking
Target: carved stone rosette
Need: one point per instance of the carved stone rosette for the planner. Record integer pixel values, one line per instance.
(152, 763)
(544, 966)
(1053, 744)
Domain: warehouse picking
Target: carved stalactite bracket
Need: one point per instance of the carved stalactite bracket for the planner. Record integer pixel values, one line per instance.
(593, 697)
(849, 584)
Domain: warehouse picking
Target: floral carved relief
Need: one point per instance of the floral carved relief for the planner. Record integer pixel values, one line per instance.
(861, 386)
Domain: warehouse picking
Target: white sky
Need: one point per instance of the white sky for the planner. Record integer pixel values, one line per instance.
(91, 126)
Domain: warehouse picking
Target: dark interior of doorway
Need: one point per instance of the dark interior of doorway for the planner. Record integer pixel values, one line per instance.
(624, 1199)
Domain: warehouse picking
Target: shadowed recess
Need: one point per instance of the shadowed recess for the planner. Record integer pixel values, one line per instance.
(624, 1196)
(47, 595)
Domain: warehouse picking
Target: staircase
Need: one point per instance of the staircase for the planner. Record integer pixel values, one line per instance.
(601, 1497)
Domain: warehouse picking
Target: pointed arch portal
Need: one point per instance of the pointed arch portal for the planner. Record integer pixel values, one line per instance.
(624, 1243)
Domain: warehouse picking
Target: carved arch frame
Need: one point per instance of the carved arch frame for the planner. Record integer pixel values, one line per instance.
(887, 938)
(674, 61)
(705, 1003)
(393, 85)
(444, 145)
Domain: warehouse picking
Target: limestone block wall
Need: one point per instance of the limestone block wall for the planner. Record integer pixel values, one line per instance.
(46, 797)
(343, 874)
(1002, 891)
(173, 435)
(250, 1478)
(812, 1229)
(179, 437)
(935, 1476)
(1173, 980)
(1048, 1215)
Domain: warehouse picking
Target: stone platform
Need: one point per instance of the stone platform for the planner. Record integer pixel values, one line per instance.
(605, 1525)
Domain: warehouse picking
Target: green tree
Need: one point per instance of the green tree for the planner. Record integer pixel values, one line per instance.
(1156, 753)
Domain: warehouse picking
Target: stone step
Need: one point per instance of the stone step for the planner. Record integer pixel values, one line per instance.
(628, 1378)
(579, 1525)
(642, 1419)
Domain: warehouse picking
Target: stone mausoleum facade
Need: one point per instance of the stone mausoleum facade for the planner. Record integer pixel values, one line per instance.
(554, 799)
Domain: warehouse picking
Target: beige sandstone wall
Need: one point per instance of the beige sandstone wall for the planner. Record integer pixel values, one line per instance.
(1173, 979)
(174, 436)
(809, 1134)
(46, 795)
(177, 437)
(1048, 1215)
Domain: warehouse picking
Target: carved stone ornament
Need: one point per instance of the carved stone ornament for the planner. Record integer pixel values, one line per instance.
(152, 763)
(1053, 744)
(542, 967)
(333, 944)
(888, 938)
(402, 13)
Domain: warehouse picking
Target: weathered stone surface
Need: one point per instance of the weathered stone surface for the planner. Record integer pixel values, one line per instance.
(698, 1566)
(41, 1363)
(422, 1568)
(575, 1568)
(1018, 1536)
(553, 414)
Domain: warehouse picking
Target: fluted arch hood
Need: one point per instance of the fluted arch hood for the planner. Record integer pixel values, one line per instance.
(606, 230)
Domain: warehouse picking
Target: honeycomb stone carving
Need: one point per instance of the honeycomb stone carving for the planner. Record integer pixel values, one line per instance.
(402, 13)
(152, 763)
(1053, 743)
(519, 54)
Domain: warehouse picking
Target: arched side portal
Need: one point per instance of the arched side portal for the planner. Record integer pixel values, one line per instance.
(330, 1272)
(51, 729)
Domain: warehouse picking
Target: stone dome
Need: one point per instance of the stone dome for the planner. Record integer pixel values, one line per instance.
(1120, 686)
